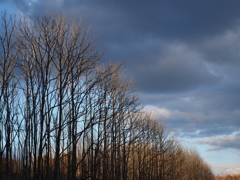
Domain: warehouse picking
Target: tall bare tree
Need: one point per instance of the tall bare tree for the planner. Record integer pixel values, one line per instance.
(8, 83)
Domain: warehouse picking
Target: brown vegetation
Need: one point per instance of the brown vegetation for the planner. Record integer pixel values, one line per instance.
(66, 115)
(228, 177)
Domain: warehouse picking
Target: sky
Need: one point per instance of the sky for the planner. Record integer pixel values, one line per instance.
(185, 59)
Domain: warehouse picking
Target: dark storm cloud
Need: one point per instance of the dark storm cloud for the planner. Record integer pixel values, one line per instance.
(166, 19)
(179, 69)
(169, 19)
(176, 19)
(136, 33)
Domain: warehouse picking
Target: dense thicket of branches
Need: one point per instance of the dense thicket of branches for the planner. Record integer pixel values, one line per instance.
(228, 177)
(66, 115)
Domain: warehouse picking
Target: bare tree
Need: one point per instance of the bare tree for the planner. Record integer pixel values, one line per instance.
(8, 83)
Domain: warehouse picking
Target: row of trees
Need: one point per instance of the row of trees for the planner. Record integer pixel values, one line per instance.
(228, 177)
(66, 115)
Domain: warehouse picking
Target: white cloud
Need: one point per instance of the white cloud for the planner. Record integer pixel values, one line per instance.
(226, 168)
(159, 112)
(223, 142)
(175, 114)
(191, 122)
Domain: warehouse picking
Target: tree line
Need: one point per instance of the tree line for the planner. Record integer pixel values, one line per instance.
(228, 177)
(64, 114)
